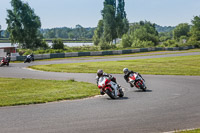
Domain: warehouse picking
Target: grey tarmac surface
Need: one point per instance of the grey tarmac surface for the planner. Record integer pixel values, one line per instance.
(171, 102)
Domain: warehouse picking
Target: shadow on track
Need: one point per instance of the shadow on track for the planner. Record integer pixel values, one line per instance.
(143, 91)
(120, 98)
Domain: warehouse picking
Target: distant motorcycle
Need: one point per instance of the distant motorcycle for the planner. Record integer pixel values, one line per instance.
(4, 61)
(29, 58)
(136, 80)
(109, 87)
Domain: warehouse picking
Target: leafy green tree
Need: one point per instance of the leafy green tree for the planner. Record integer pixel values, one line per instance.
(142, 34)
(110, 2)
(142, 44)
(195, 30)
(164, 36)
(144, 31)
(57, 44)
(44, 45)
(125, 26)
(181, 30)
(122, 24)
(89, 33)
(164, 28)
(109, 23)
(51, 34)
(79, 33)
(98, 33)
(170, 43)
(23, 24)
(126, 41)
(104, 45)
(113, 21)
(71, 35)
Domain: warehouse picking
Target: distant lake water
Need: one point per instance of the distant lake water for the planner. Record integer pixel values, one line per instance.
(75, 44)
(6, 45)
(68, 44)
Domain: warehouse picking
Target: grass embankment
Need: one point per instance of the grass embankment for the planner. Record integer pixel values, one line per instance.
(182, 65)
(30, 91)
(189, 131)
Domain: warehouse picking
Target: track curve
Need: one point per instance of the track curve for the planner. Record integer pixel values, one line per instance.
(171, 102)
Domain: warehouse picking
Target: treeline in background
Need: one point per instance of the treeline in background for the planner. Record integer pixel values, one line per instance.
(113, 31)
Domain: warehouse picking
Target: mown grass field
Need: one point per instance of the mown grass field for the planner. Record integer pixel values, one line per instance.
(189, 131)
(182, 65)
(31, 91)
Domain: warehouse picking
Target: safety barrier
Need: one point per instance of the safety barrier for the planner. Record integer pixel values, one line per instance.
(57, 55)
(98, 53)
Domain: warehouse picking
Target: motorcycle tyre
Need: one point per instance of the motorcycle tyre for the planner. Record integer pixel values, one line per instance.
(142, 87)
(2, 64)
(110, 94)
(121, 93)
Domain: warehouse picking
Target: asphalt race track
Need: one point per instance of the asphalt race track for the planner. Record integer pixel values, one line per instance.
(170, 103)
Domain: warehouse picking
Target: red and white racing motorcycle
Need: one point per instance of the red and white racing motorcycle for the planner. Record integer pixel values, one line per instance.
(4, 61)
(109, 87)
(136, 80)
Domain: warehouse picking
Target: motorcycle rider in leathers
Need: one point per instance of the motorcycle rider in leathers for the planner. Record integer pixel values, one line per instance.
(127, 74)
(100, 73)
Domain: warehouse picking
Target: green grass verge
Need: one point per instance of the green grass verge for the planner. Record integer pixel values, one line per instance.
(189, 131)
(30, 91)
(182, 65)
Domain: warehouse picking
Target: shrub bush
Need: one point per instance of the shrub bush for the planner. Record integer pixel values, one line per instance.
(58, 44)
(104, 45)
(142, 44)
(126, 41)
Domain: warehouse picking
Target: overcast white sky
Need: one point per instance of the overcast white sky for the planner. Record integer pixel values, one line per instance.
(87, 13)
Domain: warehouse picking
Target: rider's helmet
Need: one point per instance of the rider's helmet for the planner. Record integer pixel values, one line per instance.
(125, 70)
(99, 73)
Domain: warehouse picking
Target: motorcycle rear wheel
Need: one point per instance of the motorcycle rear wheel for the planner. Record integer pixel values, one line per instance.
(110, 94)
(141, 86)
(121, 93)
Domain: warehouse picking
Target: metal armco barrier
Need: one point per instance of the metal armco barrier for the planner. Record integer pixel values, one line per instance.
(98, 53)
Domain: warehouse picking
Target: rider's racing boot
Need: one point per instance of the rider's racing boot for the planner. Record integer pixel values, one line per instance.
(131, 85)
(101, 92)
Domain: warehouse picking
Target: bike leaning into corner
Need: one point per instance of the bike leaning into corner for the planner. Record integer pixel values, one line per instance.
(107, 84)
(135, 79)
(29, 58)
(5, 61)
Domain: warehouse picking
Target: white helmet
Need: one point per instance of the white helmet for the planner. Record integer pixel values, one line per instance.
(125, 70)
